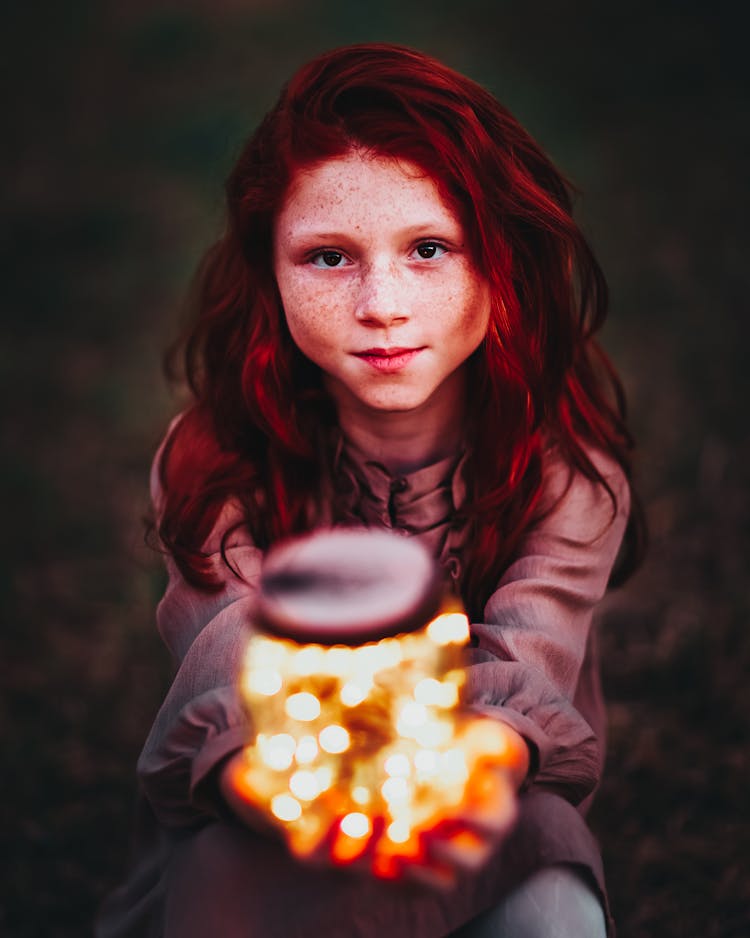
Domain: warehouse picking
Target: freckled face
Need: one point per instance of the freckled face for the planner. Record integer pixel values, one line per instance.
(377, 284)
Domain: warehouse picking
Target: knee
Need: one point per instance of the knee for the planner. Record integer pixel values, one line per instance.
(554, 903)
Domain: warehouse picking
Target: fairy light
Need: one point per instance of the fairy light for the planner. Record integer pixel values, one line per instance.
(285, 807)
(334, 739)
(397, 765)
(361, 795)
(448, 629)
(395, 790)
(352, 694)
(306, 750)
(278, 751)
(347, 736)
(425, 761)
(398, 831)
(304, 785)
(308, 660)
(355, 824)
(266, 683)
(303, 706)
(324, 777)
(434, 734)
(431, 692)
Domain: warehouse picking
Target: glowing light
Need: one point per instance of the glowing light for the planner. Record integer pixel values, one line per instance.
(264, 653)
(303, 706)
(286, 808)
(324, 775)
(355, 824)
(436, 693)
(352, 694)
(434, 734)
(338, 661)
(307, 750)
(308, 660)
(361, 795)
(262, 681)
(398, 765)
(384, 654)
(395, 790)
(449, 628)
(413, 714)
(304, 784)
(453, 766)
(399, 832)
(425, 761)
(378, 729)
(277, 751)
(334, 739)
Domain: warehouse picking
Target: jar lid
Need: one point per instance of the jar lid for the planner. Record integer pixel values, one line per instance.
(347, 586)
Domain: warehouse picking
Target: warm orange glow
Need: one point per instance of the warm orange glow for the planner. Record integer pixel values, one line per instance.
(367, 749)
(398, 831)
(260, 681)
(304, 785)
(355, 824)
(352, 694)
(285, 808)
(306, 750)
(303, 707)
(450, 628)
(334, 739)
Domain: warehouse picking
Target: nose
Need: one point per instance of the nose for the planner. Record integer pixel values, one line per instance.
(382, 300)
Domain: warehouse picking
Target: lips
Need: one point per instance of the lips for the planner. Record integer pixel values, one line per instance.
(388, 360)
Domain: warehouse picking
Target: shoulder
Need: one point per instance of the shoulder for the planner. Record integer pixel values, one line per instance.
(231, 515)
(156, 476)
(584, 502)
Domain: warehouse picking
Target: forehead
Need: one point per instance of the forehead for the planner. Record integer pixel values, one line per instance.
(361, 188)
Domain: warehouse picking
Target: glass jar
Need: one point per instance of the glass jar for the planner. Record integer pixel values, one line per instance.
(351, 682)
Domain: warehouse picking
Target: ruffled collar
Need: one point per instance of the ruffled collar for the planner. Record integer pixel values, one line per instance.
(424, 504)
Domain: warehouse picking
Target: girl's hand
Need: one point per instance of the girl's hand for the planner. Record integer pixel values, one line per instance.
(452, 838)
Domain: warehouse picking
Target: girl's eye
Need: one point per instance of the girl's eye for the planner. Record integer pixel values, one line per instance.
(327, 259)
(429, 250)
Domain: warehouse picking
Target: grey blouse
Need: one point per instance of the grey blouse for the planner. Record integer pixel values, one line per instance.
(533, 664)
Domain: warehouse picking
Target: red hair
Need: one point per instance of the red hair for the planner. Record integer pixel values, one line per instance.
(260, 412)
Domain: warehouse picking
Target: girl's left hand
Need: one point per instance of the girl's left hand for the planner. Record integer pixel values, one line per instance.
(463, 837)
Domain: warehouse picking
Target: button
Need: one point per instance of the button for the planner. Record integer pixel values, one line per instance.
(399, 485)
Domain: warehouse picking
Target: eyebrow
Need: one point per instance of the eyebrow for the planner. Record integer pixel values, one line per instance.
(421, 230)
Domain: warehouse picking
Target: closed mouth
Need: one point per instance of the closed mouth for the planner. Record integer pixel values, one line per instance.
(389, 361)
(385, 352)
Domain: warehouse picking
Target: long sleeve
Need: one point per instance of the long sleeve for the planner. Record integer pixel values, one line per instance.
(529, 650)
(201, 720)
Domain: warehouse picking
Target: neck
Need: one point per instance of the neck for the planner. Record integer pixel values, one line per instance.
(404, 441)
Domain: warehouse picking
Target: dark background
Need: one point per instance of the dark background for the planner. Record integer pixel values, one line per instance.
(119, 123)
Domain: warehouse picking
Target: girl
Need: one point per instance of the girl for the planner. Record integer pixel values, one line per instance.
(396, 329)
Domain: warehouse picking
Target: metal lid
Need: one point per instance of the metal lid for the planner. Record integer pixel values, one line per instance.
(347, 586)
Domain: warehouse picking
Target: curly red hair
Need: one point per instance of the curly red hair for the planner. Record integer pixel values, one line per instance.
(254, 431)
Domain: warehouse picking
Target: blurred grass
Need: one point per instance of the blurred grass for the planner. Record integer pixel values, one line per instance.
(120, 123)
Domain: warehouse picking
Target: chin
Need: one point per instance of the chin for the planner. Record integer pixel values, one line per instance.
(394, 405)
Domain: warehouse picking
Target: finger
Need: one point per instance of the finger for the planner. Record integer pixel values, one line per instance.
(462, 850)
(353, 838)
(433, 874)
(490, 803)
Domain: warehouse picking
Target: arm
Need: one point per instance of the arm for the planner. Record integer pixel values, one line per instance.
(529, 650)
(201, 722)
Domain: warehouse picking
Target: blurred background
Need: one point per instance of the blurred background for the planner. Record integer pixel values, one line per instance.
(120, 122)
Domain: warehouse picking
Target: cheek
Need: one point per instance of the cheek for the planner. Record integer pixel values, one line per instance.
(308, 315)
(474, 303)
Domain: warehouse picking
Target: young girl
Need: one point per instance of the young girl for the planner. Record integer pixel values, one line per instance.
(396, 330)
